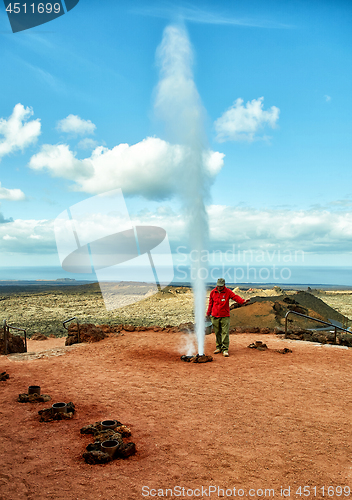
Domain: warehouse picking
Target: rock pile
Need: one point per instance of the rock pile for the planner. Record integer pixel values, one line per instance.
(49, 414)
(33, 398)
(94, 453)
(323, 337)
(15, 343)
(260, 346)
(39, 336)
(87, 333)
(197, 358)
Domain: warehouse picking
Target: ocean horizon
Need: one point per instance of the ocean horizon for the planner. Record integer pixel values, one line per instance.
(247, 275)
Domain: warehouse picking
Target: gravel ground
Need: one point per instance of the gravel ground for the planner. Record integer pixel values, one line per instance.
(256, 421)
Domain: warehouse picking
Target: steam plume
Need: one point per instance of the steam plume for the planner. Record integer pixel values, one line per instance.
(178, 104)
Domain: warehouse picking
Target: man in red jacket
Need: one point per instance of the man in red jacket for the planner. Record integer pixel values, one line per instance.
(219, 310)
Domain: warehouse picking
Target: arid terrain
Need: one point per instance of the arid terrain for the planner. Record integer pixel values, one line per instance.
(43, 309)
(259, 424)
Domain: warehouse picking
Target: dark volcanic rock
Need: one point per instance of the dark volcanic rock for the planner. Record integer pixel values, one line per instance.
(197, 358)
(345, 339)
(87, 333)
(33, 398)
(49, 415)
(96, 457)
(4, 376)
(123, 431)
(125, 450)
(129, 328)
(39, 336)
(96, 446)
(15, 344)
(97, 428)
(186, 327)
(108, 435)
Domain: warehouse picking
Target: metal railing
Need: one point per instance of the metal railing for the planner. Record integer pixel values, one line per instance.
(6, 335)
(314, 319)
(74, 317)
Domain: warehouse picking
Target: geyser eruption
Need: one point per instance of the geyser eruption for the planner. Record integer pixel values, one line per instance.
(178, 104)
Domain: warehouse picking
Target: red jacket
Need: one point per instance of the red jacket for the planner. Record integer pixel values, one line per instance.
(219, 302)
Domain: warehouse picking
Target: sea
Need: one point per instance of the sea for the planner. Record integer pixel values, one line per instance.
(246, 276)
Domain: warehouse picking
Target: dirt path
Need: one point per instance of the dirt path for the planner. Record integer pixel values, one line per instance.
(256, 420)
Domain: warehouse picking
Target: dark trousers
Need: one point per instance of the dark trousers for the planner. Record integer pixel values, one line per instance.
(221, 328)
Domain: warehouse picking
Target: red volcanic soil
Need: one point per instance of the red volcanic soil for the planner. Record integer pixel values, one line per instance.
(254, 421)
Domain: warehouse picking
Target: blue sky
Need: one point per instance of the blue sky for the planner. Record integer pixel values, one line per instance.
(275, 81)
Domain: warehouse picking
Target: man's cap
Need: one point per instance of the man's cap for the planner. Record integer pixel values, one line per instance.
(220, 282)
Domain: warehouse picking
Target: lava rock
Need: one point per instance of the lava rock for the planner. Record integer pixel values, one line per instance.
(4, 376)
(108, 435)
(255, 329)
(97, 427)
(129, 328)
(201, 359)
(15, 344)
(123, 431)
(186, 327)
(87, 333)
(49, 415)
(96, 457)
(259, 347)
(96, 446)
(33, 398)
(197, 358)
(125, 450)
(87, 429)
(39, 336)
(345, 339)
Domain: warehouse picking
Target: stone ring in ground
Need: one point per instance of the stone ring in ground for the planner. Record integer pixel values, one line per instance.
(198, 358)
(103, 450)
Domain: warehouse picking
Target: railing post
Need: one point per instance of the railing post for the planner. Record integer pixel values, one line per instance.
(286, 326)
(78, 332)
(5, 335)
(335, 335)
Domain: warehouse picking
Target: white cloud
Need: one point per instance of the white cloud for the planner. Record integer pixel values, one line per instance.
(61, 162)
(87, 143)
(320, 232)
(17, 134)
(241, 123)
(11, 194)
(152, 168)
(203, 16)
(73, 124)
(27, 236)
(308, 230)
(327, 98)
